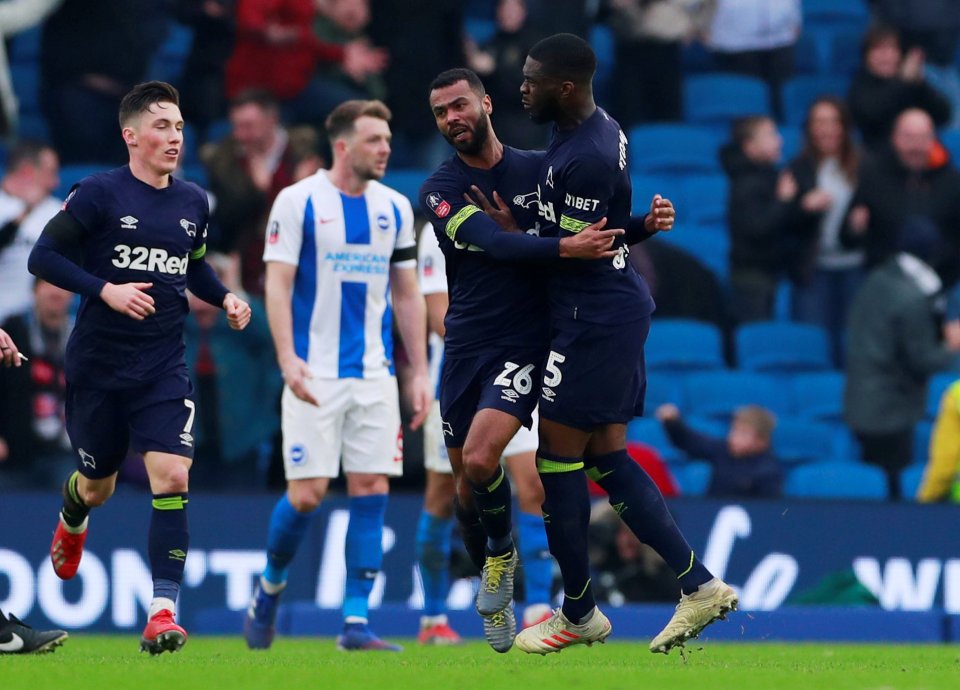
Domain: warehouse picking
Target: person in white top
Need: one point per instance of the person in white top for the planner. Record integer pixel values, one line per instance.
(434, 526)
(26, 205)
(341, 257)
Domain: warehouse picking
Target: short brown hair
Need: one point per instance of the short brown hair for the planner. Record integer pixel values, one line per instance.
(758, 418)
(743, 128)
(340, 122)
(139, 99)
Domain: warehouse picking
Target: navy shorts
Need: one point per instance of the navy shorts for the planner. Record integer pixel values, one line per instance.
(104, 424)
(594, 374)
(507, 381)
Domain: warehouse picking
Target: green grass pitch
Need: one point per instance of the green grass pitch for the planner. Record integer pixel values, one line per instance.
(113, 663)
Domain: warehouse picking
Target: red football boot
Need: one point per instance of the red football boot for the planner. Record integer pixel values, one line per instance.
(162, 634)
(66, 550)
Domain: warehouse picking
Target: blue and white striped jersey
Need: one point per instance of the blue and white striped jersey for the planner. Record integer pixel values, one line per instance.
(343, 247)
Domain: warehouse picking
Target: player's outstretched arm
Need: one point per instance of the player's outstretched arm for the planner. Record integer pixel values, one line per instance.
(410, 310)
(279, 298)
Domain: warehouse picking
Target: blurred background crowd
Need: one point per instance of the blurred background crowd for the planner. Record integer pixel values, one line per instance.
(806, 337)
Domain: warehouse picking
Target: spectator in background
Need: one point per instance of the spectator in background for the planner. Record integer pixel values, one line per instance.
(744, 465)
(26, 205)
(34, 448)
(908, 180)
(893, 349)
(571, 16)
(825, 274)
(649, 37)
(755, 38)
(342, 22)
(91, 53)
(236, 379)
(625, 569)
(941, 478)
(933, 26)
(16, 16)
(277, 50)
(247, 169)
(201, 86)
(499, 61)
(430, 41)
(757, 210)
(887, 83)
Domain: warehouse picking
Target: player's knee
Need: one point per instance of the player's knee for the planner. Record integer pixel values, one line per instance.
(175, 480)
(94, 496)
(305, 499)
(479, 462)
(529, 493)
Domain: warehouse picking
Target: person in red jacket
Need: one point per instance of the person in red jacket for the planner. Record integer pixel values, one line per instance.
(276, 49)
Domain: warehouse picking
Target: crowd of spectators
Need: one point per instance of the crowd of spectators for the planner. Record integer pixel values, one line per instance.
(865, 215)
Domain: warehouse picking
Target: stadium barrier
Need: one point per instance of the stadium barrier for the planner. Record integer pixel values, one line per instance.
(774, 552)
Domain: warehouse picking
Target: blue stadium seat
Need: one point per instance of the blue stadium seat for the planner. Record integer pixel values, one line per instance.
(950, 138)
(782, 347)
(797, 441)
(819, 394)
(25, 46)
(801, 91)
(910, 479)
(33, 126)
(706, 199)
(217, 130)
(645, 186)
(693, 477)
(717, 394)
(662, 388)
(195, 173)
(710, 245)
(674, 149)
(835, 13)
(479, 29)
(807, 55)
(937, 387)
(650, 431)
(26, 83)
(602, 41)
(843, 55)
(836, 480)
(168, 61)
(407, 181)
(71, 174)
(921, 442)
(682, 345)
(792, 141)
(717, 99)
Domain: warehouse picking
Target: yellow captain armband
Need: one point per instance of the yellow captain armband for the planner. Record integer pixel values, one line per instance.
(572, 224)
(198, 253)
(458, 219)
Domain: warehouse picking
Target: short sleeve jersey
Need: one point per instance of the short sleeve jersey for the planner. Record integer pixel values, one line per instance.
(343, 247)
(583, 178)
(134, 233)
(493, 304)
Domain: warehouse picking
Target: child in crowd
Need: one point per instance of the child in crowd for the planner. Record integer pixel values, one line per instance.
(744, 465)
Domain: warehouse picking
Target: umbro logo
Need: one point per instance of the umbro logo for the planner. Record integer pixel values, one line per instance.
(186, 439)
(548, 394)
(129, 222)
(509, 395)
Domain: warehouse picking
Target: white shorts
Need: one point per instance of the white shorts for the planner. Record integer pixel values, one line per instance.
(435, 456)
(525, 440)
(358, 421)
